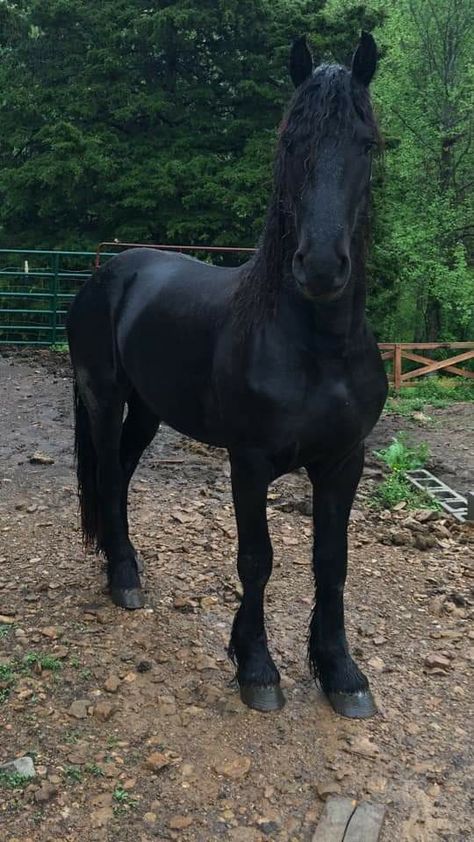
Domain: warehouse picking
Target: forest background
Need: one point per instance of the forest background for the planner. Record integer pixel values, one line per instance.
(157, 122)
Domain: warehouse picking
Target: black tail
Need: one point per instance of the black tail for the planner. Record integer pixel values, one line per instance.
(86, 468)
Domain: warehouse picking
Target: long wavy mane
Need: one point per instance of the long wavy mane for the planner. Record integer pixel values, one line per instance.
(326, 105)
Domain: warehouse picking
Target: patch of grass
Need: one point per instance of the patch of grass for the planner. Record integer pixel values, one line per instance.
(11, 671)
(72, 737)
(85, 674)
(74, 662)
(430, 392)
(6, 672)
(124, 801)
(396, 489)
(13, 780)
(46, 662)
(73, 774)
(400, 456)
(94, 769)
(60, 348)
(4, 629)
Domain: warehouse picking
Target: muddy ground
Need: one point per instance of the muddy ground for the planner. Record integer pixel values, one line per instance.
(133, 720)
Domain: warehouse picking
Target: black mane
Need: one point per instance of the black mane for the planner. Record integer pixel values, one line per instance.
(324, 106)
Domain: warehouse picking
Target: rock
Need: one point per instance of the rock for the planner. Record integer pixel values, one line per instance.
(50, 632)
(180, 822)
(112, 683)
(157, 761)
(364, 747)
(234, 767)
(45, 793)
(424, 541)
(144, 666)
(39, 458)
(184, 604)
(437, 661)
(208, 601)
(379, 640)
(376, 663)
(150, 818)
(103, 711)
(79, 708)
(376, 785)
(400, 537)
(326, 789)
(21, 766)
(205, 662)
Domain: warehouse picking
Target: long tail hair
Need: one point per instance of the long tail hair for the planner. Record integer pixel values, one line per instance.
(86, 469)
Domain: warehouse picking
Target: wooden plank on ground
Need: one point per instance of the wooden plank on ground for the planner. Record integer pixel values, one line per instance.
(334, 820)
(366, 823)
(344, 820)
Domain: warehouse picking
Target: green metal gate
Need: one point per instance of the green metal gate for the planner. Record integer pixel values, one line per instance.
(35, 290)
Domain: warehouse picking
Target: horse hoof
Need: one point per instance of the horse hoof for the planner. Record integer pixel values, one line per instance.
(130, 598)
(353, 705)
(264, 699)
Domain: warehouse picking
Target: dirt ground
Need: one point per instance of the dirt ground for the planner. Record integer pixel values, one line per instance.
(133, 719)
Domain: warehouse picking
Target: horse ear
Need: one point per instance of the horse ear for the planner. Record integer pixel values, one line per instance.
(301, 61)
(364, 60)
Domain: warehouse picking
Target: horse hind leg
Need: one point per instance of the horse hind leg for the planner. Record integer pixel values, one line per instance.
(139, 430)
(99, 410)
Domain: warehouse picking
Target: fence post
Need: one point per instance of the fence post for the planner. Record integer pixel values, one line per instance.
(54, 298)
(397, 366)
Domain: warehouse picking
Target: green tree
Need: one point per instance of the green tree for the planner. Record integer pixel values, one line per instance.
(146, 122)
(422, 261)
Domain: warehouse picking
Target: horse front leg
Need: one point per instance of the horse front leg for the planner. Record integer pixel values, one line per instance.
(344, 684)
(258, 677)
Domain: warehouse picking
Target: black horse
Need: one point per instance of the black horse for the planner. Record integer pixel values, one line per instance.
(273, 360)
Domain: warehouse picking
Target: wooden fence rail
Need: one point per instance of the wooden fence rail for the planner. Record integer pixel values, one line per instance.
(397, 352)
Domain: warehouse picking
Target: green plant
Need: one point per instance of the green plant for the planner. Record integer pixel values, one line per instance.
(4, 630)
(46, 662)
(60, 348)
(396, 489)
(400, 456)
(73, 774)
(123, 800)
(13, 780)
(94, 769)
(436, 392)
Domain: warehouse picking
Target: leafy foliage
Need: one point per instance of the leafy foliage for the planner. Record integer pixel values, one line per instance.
(430, 392)
(146, 122)
(400, 456)
(157, 122)
(422, 279)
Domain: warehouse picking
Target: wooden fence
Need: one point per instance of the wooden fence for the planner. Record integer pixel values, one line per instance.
(398, 352)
